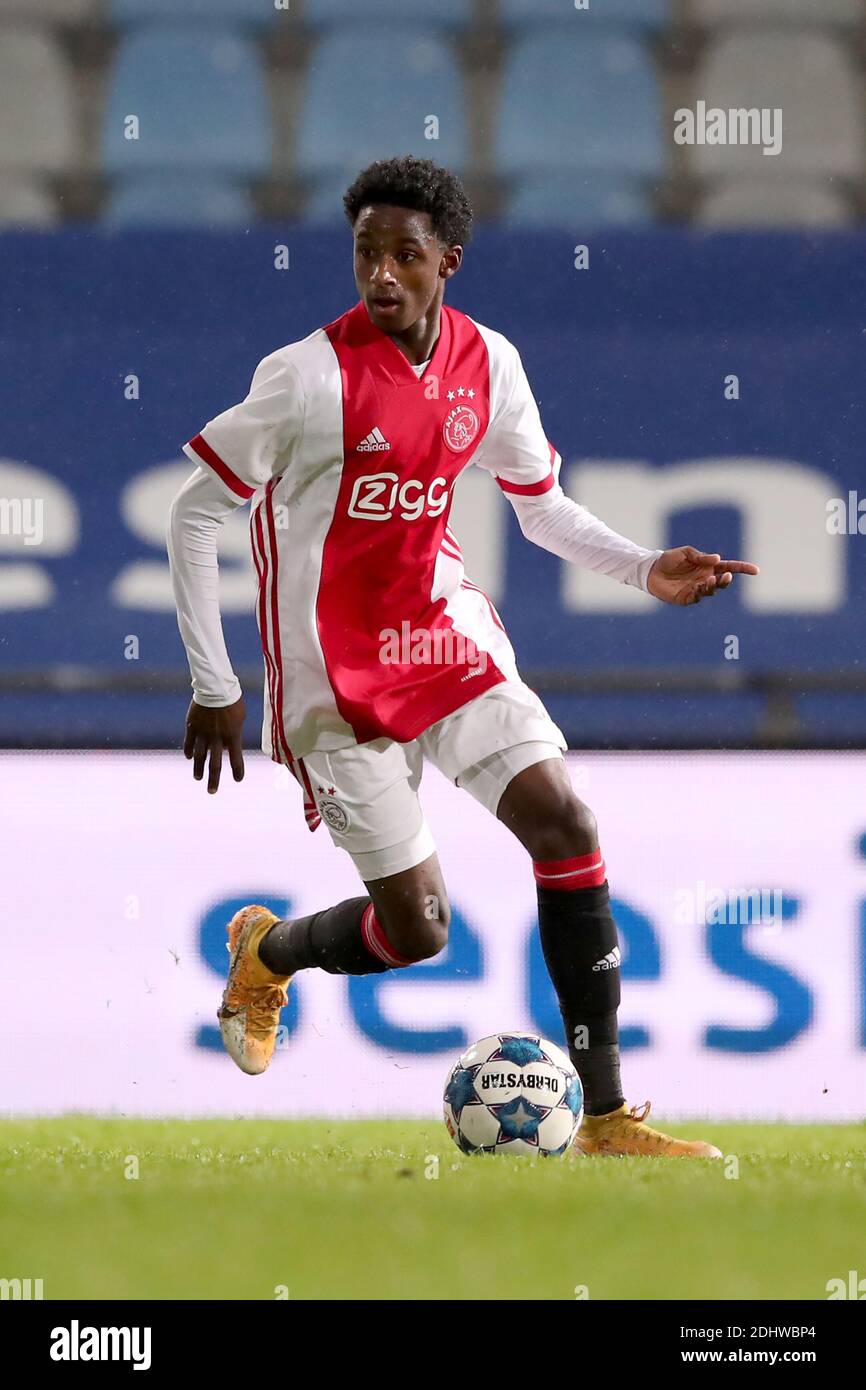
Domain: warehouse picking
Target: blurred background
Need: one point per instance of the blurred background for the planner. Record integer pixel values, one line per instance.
(691, 318)
(700, 373)
(556, 112)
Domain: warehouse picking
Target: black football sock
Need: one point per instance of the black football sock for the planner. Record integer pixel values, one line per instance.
(579, 941)
(347, 939)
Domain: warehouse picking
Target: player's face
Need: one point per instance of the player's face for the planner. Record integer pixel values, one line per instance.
(400, 265)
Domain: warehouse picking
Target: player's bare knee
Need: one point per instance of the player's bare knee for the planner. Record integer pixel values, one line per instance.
(566, 829)
(421, 931)
(430, 940)
(431, 929)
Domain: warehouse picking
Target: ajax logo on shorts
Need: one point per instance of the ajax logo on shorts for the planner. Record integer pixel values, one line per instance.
(334, 814)
(377, 496)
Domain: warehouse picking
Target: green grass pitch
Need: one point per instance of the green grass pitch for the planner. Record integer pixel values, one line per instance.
(345, 1210)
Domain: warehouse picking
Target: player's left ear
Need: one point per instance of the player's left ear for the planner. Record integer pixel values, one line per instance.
(451, 261)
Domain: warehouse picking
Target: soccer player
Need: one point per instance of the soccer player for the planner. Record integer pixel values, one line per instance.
(349, 444)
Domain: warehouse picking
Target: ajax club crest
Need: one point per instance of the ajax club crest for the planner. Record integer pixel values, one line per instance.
(334, 814)
(460, 428)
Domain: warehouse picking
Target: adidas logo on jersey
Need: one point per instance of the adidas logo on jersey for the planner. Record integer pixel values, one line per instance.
(375, 443)
(610, 961)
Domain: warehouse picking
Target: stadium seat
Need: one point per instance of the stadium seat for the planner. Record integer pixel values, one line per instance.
(50, 11)
(579, 103)
(26, 203)
(178, 200)
(577, 201)
(36, 114)
(445, 14)
(641, 14)
(200, 99)
(348, 110)
(256, 13)
(755, 202)
(810, 77)
(324, 202)
(787, 12)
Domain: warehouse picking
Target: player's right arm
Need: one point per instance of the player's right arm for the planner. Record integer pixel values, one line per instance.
(216, 713)
(236, 453)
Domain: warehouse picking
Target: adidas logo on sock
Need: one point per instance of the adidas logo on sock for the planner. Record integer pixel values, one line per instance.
(610, 961)
(375, 443)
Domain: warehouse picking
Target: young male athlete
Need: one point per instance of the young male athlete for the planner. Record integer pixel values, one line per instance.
(356, 436)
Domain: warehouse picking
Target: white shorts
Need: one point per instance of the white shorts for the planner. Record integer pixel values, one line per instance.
(367, 795)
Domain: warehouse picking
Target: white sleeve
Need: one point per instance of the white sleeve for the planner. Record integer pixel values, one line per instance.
(196, 514)
(526, 466)
(515, 449)
(558, 524)
(255, 440)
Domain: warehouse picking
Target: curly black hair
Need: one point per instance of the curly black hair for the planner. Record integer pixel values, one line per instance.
(407, 182)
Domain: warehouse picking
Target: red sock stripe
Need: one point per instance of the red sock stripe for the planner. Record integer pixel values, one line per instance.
(311, 810)
(377, 942)
(583, 871)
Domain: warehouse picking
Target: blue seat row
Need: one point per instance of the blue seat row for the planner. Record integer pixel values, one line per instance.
(182, 99)
(580, 203)
(448, 14)
(179, 99)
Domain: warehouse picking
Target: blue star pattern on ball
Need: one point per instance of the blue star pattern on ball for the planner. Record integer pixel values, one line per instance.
(460, 1090)
(519, 1119)
(520, 1051)
(513, 1093)
(563, 1148)
(573, 1097)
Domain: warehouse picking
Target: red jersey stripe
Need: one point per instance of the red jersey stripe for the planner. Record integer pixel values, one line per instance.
(528, 489)
(260, 562)
(310, 810)
(267, 506)
(203, 450)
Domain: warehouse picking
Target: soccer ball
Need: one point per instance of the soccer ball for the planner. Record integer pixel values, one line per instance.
(513, 1093)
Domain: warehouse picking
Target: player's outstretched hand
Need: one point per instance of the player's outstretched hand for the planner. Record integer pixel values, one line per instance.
(208, 732)
(686, 575)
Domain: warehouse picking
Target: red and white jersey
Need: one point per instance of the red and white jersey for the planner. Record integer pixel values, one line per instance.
(351, 461)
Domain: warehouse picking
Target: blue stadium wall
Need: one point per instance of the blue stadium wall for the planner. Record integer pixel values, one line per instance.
(628, 359)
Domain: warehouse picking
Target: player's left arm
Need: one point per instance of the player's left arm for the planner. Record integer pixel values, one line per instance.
(526, 467)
